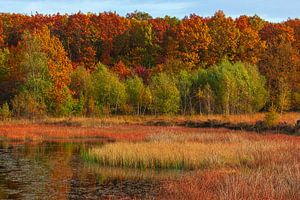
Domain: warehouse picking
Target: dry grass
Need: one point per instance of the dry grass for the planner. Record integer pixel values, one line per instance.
(132, 174)
(34, 132)
(229, 165)
(233, 164)
(289, 118)
(278, 183)
(40, 132)
(234, 152)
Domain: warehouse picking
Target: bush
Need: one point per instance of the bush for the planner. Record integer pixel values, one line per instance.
(92, 110)
(271, 118)
(25, 105)
(5, 113)
(67, 107)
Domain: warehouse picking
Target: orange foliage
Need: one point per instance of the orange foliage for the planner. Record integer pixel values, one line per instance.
(250, 45)
(59, 64)
(1, 34)
(224, 36)
(275, 34)
(194, 37)
(121, 69)
(107, 26)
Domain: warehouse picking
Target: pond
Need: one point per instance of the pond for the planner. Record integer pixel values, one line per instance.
(56, 170)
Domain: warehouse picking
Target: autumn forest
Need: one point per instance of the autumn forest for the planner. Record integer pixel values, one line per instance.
(99, 64)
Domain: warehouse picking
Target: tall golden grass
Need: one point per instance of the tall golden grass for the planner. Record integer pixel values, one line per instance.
(190, 155)
(226, 164)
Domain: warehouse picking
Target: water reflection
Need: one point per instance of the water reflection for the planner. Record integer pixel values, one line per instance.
(55, 170)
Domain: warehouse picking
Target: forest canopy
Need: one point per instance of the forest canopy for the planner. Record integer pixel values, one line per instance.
(93, 64)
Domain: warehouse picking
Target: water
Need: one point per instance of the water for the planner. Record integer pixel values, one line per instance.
(55, 170)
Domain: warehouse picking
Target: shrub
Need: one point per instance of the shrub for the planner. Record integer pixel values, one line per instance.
(92, 110)
(25, 105)
(5, 113)
(271, 118)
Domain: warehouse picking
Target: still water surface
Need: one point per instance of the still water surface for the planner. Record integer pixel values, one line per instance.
(55, 170)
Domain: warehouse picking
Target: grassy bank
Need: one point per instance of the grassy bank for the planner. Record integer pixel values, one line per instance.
(218, 165)
(286, 122)
(288, 118)
(189, 152)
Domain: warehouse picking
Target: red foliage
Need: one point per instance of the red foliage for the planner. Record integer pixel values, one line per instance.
(121, 69)
(142, 72)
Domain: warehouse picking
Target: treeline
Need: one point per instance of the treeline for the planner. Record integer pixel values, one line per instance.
(93, 64)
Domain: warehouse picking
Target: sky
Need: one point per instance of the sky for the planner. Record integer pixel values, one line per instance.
(272, 10)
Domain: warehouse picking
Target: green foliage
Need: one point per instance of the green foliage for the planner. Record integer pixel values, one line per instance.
(81, 83)
(184, 83)
(284, 96)
(138, 15)
(206, 99)
(135, 89)
(271, 118)
(4, 54)
(36, 86)
(5, 113)
(237, 88)
(9, 75)
(166, 96)
(79, 106)
(92, 110)
(141, 50)
(83, 91)
(296, 100)
(67, 107)
(110, 93)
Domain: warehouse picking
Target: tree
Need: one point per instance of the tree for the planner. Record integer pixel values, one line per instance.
(166, 96)
(1, 34)
(45, 70)
(36, 82)
(250, 45)
(110, 93)
(6, 79)
(224, 39)
(206, 99)
(107, 26)
(139, 47)
(59, 65)
(184, 83)
(78, 39)
(136, 92)
(121, 70)
(170, 42)
(83, 91)
(280, 62)
(194, 39)
(295, 95)
(138, 15)
(237, 88)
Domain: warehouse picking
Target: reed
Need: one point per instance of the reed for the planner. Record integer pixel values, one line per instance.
(188, 155)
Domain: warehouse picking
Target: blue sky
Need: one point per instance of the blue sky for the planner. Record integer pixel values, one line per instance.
(273, 10)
